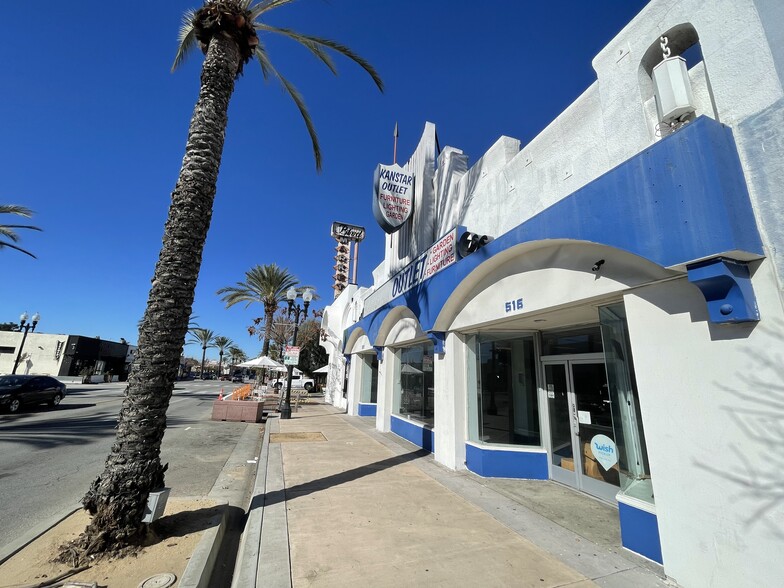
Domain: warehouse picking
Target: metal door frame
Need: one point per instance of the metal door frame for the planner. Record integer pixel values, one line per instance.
(576, 479)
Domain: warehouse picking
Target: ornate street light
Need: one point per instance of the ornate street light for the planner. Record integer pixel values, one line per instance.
(296, 310)
(24, 325)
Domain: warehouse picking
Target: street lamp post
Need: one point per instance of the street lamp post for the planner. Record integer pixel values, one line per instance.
(24, 325)
(296, 310)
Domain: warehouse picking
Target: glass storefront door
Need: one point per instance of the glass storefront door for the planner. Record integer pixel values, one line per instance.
(583, 451)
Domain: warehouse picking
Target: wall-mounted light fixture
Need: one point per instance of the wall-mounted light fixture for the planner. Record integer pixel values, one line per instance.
(470, 242)
(597, 266)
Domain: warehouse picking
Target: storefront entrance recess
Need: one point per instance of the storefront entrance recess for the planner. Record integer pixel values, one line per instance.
(584, 454)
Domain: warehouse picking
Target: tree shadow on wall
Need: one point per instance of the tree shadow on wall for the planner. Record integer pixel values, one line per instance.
(758, 412)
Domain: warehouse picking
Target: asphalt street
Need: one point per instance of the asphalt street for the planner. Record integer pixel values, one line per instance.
(49, 456)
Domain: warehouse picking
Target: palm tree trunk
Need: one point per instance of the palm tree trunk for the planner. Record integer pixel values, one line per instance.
(268, 317)
(117, 498)
(203, 358)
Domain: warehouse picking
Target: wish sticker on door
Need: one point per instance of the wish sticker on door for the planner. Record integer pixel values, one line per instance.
(603, 449)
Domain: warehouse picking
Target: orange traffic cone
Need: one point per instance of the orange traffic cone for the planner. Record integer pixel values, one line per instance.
(220, 396)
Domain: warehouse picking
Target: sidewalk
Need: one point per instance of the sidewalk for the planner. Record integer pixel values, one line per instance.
(340, 504)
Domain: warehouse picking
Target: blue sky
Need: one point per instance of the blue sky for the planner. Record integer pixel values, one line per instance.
(93, 128)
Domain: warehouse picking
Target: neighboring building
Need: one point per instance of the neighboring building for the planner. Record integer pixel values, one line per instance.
(624, 331)
(345, 310)
(65, 355)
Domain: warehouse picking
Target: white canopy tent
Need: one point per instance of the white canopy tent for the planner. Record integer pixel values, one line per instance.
(262, 361)
(284, 368)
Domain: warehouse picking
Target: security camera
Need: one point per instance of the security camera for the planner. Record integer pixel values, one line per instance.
(597, 265)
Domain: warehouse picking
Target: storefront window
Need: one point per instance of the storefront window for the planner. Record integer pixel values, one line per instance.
(627, 421)
(415, 383)
(507, 401)
(369, 378)
(573, 341)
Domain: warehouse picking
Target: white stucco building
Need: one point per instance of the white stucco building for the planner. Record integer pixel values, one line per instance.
(61, 355)
(623, 332)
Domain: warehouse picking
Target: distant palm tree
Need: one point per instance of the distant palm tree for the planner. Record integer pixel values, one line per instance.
(237, 355)
(227, 33)
(205, 338)
(265, 284)
(222, 344)
(8, 230)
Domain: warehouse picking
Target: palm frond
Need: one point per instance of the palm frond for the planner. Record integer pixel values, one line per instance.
(261, 56)
(192, 324)
(186, 39)
(241, 292)
(266, 5)
(11, 246)
(222, 343)
(8, 233)
(311, 41)
(264, 70)
(22, 227)
(16, 209)
(312, 46)
(204, 337)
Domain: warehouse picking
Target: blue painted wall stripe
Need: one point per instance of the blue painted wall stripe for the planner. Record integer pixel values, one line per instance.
(640, 532)
(419, 435)
(497, 463)
(366, 409)
(682, 199)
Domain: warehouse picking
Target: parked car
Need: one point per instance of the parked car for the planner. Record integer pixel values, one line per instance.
(297, 381)
(18, 390)
(237, 377)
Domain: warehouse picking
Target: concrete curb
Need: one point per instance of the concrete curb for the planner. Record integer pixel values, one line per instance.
(26, 538)
(250, 544)
(274, 567)
(199, 569)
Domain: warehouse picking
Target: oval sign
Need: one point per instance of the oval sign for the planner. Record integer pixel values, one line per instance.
(604, 450)
(393, 196)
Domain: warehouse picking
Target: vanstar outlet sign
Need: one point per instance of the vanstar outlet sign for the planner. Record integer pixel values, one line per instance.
(393, 196)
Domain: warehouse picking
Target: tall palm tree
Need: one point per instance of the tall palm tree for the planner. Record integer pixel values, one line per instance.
(222, 344)
(205, 338)
(265, 284)
(8, 231)
(227, 33)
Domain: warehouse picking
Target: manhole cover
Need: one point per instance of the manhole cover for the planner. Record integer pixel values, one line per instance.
(159, 581)
(289, 437)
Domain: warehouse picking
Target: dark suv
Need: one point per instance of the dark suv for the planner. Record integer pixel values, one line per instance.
(18, 390)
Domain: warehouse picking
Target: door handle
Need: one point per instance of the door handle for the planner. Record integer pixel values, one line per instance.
(575, 420)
